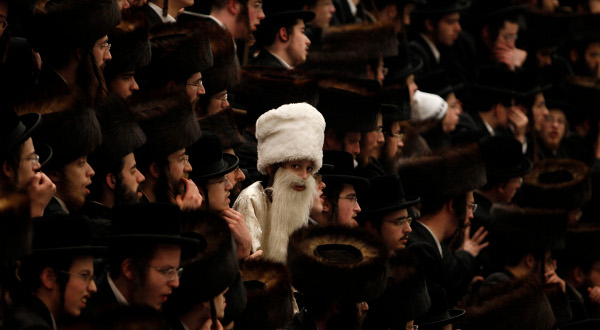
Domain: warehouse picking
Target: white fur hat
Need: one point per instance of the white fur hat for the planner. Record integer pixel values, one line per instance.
(291, 132)
(427, 105)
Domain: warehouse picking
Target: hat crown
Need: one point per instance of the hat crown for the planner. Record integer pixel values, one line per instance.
(146, 219)
(503, 156)
(342, 162)
(338, 253)
(60, 233)
(384, 191)
(206, 153)
(272, 7)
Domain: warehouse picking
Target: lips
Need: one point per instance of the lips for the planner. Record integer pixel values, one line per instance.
(299, 188)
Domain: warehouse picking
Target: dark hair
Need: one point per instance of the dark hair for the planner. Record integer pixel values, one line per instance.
(32, 268)
(332, 191)
(139, 254)
(419, 20)
(13, 158)
(495, 25)
(268, 34)
(434, 205)
(102, 169)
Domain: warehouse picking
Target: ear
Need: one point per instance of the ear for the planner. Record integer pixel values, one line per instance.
(450, 206)
(283, 34)
(574, 55)
(154, 170)
(233, 6)
(485, 33)
(7, 170)
(270, 170)
(111, 181)
(501, 187)
(331, 140)
(48, 278)
(529, 260)
(578, 275)
(429, 25)
(127, 269)
(78, 54)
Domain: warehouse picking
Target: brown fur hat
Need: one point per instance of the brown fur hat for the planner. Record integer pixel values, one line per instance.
(168, 121)
(557, 184)
(337, 262)
(265, 88)
(443, 175)
(223, 124)
(270, 296)
(130, 51)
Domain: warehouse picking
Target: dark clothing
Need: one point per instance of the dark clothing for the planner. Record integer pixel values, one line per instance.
(102, 299)
(248, 155)
(577, 303)
(343, 15)
(54, 208)
(470, 128)
(49, 85)
(302, 321)
(30, 314)
(418, 48)
(482, 216)
(99, 217)
(153, 18)
(265, 58)
(453, 272)
(373, 169)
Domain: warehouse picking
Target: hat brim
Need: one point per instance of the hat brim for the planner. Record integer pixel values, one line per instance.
(455, 7)
(305, 15)
(31, 121)
(415, 65)
(358, 183)
(73, 250)
(45, 152)
(453, 316)
(149, 239)
(410, 201)
(230, 162)
(524, 167)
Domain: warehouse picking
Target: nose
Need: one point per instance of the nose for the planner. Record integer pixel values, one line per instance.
(331, 8)
(187, 168)
(240, 176)
(134, 86)
(90, 171)
(139, 176)
(261, 14)
(304, 174)
(400, 144)
(125, 4)
(380, 138)
(37, 166)
(225, 104)
(201, 90)
(107, 56)
(174, 283)
(92, 286)
(357, 208)
(407, 229)
(458, 27)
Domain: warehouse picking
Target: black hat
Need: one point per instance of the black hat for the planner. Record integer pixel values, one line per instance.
(547, 29)
(438, 314)
(486, 11)
(440, 7)
(401, 66)
(581, 245)
(557, 183)
(280, 12)
(584, 28)
(208, 160)
(503, 157)
(496, 82)
(438, 83)
(348, 111)
(63, 235)
(337, 262)
(223, 124)
(385, 195)
(529, 82)
(270, 296)
(341, 170)
(147, 224)
(130, 51)
(395, 96)
(236, 298)
(14, 129)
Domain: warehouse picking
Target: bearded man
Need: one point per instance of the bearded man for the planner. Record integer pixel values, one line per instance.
(290, 140)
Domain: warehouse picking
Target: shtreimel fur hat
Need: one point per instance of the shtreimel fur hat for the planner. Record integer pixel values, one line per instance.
(290, 132)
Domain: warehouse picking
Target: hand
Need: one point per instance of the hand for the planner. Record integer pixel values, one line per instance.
(191, 200)
(473, 245)
(256, 255)
(41, 190)
(594, 293)
(511, 57)
(552, 277)
(239, 231)
(519, 122)
(208, 325)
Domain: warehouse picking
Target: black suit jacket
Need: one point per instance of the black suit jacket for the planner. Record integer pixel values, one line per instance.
(30, 314)
(102, 299)
(152, 16)
(54, 208)
(418, 48)
(265, 58)
(99, 217)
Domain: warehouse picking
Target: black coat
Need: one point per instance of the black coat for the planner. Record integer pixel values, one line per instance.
(418, 48)
(301, 321)
(102, 299)
(152, 16)
(265, 58)
(54, 208)
(30, 314)
(99, 217)
(373, 169)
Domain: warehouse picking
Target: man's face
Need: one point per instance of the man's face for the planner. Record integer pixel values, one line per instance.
(317, 206)
(158, 285)
(502, 112)
(539, 111)
(594, 275)
(548, 5)
(123, 4)
(352, 143)
(27, 166)
(255, 13)
(220, 304)
(448, 29)
(544, 56)
(374, 139)
(71, 186)
(323, 10)
(236, 177)
(395, 235)
(218, 193)
(347, 207)
(470, 207)
(124, 84)
(452, 116)
(393, 141)
(298, 44)
(194, 87)
(507, 36)
(101, 52)
(592, 58)
(178, 168)
(412, 87)
(553, 129)
(218, 103)
(594, 6)
(128, 190)
(78, 289)
(510, 189)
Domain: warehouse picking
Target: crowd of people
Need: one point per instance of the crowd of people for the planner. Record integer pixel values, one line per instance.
(299, 164)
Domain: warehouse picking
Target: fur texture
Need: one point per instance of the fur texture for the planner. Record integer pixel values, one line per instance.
(290, 132)
(254, 205)
(223, 124)
(354, 281)
(130, 51)
(288, 211)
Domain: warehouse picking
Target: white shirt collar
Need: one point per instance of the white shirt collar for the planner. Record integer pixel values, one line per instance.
(120, 298)
(287, 66)
(353, 8)
(62, 204)
(434, 50)
(439, 246)
(488, 127)
(159, 11)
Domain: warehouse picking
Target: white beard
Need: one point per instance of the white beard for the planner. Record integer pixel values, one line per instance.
(289, 211)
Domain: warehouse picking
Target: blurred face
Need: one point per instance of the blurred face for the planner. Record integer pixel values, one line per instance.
(395, 229)
(539, 111)
(71, 186)
(297, 48)
(548, 5)
(220, 304)
(323, 10)
(509, 190)
(218, 103)
(448, 29)
(194, 87)
(27, 166)
(393, 141)
(255, 13)
(235, 177)
(347, 207)
(374, 139)
(592, 58)
(123, 4)
(544, 56)
(594, 276)
(130, 179)
(412, 87)
(408, 9)
(594, 6)
(553, 129)
(80, 286)
(302, 168)
(124, 84)
(318, 199)
(218, 194)
(470, 207)
(178, 168)
(3, 16)
(502, 115)
(507, 35)
(352, 143)
(101, 52)
(452, 116)
(161, 276)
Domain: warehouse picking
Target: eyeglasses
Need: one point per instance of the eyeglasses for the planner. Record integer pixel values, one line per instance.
(222, 180)
(550, 119)
(197, 84)
(184, 159)
(353, 199)
(413, 327)
(510, 37)
(4, 24)
(400, 221)
(223, 98)
(35, 159)
(87, 277)
(106, 46)
(396, 135)
(472, 207)
(379, 130)
(169, 273)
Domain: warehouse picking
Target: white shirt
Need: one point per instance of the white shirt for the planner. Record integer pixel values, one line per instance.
(287, 66)
(352, 6)
(120, 298)
(439, 246)
(159, 11)
(434, 50)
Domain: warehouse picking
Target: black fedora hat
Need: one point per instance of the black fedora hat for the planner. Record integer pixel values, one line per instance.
(503, 157)
(439, 7)
(348, 111)
(401, 66)
(147, 224)
(385, 195)
(63, 235)
(277, 11)
(438, 83)
(496, 81)
(14, 129)
(341, 170)
(44, 151)
(439, 314)
(208, 160)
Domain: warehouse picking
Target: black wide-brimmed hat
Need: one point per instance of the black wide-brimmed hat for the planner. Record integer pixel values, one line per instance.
(337, 262)
(438, 314)
(440, 7)
(147, 224)
(224, 125)
(503, 157)
(438, 83)
(582, 246)
(485, 12)
(341, 170)
(557, 183)
(130, 51)
(208, 160)
(496, 82)
(395, 96)
(63, 235)
(14, 129)
(385, 195)
(347, 111)
(401, 66)
(277, 12)
(529, 82)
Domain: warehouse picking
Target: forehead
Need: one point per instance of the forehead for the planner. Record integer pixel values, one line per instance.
(347, 189)
(557, 112)
(510, 27)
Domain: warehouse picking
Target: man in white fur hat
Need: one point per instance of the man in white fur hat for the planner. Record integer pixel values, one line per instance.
(290, 142)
